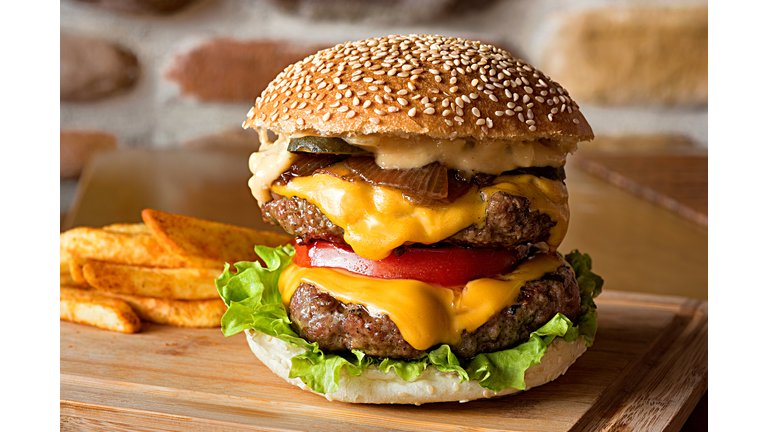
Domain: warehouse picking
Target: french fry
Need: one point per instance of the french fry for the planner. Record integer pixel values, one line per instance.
(181, 283)
(76, 270)
(66, 280)
(64, 258)
(178, 313)
(128, 228)
(135, 248)
(206, 244)
(94, 309)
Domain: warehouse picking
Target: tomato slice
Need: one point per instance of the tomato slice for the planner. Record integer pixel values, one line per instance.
(447, 265)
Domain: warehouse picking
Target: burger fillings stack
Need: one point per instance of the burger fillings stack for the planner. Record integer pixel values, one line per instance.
(423, 179)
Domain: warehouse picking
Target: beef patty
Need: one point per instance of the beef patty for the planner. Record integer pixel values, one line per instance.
(319, 317)
(509, 222)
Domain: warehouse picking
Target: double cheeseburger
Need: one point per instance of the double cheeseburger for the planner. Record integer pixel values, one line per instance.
(422, 177)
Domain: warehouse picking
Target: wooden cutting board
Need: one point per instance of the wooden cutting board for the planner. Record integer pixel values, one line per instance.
(646, 372)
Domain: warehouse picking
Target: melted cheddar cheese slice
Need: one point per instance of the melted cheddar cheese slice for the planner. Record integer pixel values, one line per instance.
(377, 219)
(426, 314)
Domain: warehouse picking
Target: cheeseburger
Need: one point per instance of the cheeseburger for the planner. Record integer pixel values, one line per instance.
(423, 179)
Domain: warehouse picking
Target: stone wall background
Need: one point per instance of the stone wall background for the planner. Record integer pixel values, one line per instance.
(170, 73)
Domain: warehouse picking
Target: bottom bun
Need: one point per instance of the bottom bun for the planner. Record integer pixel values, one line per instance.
(377, 387)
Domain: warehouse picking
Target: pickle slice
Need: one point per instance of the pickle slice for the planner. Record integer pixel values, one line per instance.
(323, 145)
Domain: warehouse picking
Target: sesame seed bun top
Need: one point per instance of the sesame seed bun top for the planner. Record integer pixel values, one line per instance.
(438, 86)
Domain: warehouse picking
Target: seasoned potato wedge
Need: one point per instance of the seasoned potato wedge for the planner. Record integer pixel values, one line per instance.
(92, 308)
(180, 283)
(179, 313)
(207, 244)
(135, 248)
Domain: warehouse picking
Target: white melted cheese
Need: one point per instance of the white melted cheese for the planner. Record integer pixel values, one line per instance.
(490, 156)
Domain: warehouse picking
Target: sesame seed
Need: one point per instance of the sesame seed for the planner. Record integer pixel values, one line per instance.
(509, 112)
(460, 102)
(336, 80)
(379, 112)
(453, 89)
(335, 104)
(374, 120)
(393, 109)
(493, 98)
(387, 89)
(429, 110)
(476, 112)
(366, 104)
(412, 112)
(402, 92)
(532, 128)
(355, 101)
(300, 122)
(480, 122)
(348, 93)
(473, 95)
(520, 117)
(539, 99)
(530, 122)
(446, 113)
(526, 98)
(326, 116)
(499, 113)
(448, 122)
(343, 109)
(402, 101)
(576, 121)
(528, 89)
(351, 114)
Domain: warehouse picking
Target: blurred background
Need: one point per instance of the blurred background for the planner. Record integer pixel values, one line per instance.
(183, 73)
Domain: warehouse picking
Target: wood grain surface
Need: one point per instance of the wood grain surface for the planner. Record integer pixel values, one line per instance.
(645, 372)
(676, 182)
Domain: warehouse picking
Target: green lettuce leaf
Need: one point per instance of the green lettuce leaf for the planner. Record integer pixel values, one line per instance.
(254, 303)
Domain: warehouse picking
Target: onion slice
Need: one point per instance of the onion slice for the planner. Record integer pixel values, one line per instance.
(306, 164)
(429, 182)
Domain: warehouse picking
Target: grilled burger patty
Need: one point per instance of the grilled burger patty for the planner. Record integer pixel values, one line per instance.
(319, 317)
(509, 222)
